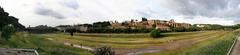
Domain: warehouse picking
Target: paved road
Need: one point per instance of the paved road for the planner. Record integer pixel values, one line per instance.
(236, 48)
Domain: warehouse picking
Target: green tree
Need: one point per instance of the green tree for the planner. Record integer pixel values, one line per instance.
(7, 31)
(193, 28)
(144, 19)
(5, 19)
(179, 29)
(155, 33)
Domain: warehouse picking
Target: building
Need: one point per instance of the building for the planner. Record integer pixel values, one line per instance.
(148, 24)
(81, 28)
(117, 25)
(63, 28)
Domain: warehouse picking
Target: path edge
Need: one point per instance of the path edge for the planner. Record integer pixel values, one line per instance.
(233, 44)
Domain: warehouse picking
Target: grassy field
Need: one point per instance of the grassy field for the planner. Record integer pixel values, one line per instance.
(143, 40)
(122, 42)
(215, 46)
(216, 43)
(41, 44)
(126, 40)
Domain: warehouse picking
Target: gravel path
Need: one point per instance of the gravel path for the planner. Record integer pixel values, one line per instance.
(236, 48)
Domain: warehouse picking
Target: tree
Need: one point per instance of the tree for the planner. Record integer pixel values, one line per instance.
(144, 19)
(102, 24)
(71, 31)
(155, 33)
(193, 28)
(7, 31)
(179, 29)
(103, 51)
(42, 29)
(5, 19)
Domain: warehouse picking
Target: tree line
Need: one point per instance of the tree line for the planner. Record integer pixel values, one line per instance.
(105, 27)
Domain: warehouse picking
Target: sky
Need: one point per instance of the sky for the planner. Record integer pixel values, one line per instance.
(62, 12)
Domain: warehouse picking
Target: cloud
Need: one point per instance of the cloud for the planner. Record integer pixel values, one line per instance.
(204, 20)
(42, 10)
(88, 11)
(74, 4)
(208, 8)
(237, 21)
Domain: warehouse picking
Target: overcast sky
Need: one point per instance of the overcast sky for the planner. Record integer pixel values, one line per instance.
(56, 12)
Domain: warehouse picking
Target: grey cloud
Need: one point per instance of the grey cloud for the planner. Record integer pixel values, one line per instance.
(144, 14)
(208, 8)
(71, 4)
(147, 11)
(41, 10)
(236, 21)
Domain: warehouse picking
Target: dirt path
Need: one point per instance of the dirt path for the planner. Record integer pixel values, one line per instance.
(236, 48)
(74, 45)
(165, 47)
(79, 46)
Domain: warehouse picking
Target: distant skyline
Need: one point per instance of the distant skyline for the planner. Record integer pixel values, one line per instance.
(60, 12)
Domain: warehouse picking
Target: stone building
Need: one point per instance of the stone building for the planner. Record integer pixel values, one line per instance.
(64, 28)
(81, 28)
(147, 24)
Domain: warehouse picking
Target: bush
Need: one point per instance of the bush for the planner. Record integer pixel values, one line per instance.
(155, 33)
(7, 31)
(103, 51)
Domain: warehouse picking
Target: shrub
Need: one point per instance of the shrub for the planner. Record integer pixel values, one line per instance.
(7, 31)
(155, 33)
(103, 51)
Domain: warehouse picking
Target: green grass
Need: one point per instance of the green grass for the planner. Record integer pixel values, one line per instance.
(126, 40)
(137, 35)
(41, 44)
(215, 46)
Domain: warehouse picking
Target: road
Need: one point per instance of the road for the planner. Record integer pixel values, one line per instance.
(75, 45)
(236, 48)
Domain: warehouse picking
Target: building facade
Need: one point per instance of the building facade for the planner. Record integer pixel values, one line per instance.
(148, 24)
